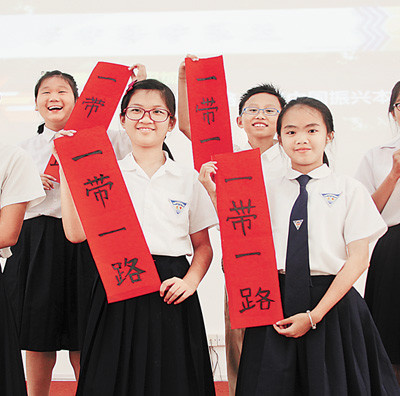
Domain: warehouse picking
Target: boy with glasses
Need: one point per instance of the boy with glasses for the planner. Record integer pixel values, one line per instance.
(259, 108)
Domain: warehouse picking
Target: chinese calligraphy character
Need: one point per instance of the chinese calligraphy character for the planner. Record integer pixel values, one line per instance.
(242, 217)
(78, 157)
(100, 188)
(112, 231)
(265, 302)
(206, 78)
(129, 269)
(93, 104)
(208, 110)
(107, 78)
(247, 254)
(246, 294)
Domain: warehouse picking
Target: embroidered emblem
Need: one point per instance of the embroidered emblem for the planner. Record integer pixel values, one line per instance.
(298, 223)
(330, 198)
(178, 205)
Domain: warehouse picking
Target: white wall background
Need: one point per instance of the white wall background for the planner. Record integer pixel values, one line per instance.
(344, 52)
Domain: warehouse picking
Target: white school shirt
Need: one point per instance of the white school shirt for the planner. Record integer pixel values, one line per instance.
(19, 181)
(373, 170)
(274, 161)
(340, 211)
(40, 147)
(170, 205)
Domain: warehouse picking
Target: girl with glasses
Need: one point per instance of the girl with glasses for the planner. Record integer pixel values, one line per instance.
(379, 171)
(153, 344)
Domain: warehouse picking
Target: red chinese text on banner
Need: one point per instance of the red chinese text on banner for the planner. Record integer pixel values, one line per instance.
(97, 103)
(208, 109)
(105, 208)
(247, 245)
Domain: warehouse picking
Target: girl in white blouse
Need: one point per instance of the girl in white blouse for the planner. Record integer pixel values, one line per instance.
(20, 189)
(329, 345)
(379, 171)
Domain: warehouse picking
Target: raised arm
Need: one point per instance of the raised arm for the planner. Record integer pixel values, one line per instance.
(183, 107)
(385, 190)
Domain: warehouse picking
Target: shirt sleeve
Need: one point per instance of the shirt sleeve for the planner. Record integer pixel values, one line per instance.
(363, 219)
(364, 173)
(201, 213)
(22, 181)
(121, 143)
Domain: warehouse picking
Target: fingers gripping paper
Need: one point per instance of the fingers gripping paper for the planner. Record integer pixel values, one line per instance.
(208, 109)
(105, 208)
(97, 103)
(247, 245)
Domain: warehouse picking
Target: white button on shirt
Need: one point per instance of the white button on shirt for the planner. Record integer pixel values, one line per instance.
(19, 181)
(40, 147)
(373, 170)
(340, 211)
(170, 205)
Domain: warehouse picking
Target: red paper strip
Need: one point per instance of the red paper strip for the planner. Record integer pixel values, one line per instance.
(208, 109)
(105, 208)
(97, 103)
(247, 245)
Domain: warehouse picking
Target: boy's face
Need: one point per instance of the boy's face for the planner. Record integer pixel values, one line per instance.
(260, 125)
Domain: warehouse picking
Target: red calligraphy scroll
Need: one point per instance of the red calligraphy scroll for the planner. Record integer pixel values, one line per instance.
(104, 206)
(97, 103)
(247, 246)
(208, 109)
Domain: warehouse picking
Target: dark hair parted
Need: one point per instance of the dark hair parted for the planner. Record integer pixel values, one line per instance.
(393, 97)
(309, 102)
(151, 85)
(262, 88)
(57, 73)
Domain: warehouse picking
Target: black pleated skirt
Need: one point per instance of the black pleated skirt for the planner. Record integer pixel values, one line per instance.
(143, 346)
(49, 281)
(382, 292)
(343, 356)
(12, 379)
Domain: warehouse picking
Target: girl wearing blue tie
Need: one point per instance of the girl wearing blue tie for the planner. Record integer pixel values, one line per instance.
(322, 226)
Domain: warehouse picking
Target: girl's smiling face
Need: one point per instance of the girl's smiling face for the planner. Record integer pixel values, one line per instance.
(146, 132)
(303, 137)
(55, 102)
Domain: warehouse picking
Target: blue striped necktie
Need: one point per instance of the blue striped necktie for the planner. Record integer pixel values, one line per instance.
(297, 279)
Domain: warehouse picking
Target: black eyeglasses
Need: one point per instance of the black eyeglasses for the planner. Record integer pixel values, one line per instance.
(135, 113)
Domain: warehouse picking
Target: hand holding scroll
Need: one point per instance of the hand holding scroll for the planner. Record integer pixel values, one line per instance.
(175, 290)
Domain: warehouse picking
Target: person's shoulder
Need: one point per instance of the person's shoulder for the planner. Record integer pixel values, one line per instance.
(393, 144)
(10, 152)
(349, 184)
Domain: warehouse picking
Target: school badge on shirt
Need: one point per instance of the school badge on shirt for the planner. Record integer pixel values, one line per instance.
(330, 198)
(178, 205)
(298, 223)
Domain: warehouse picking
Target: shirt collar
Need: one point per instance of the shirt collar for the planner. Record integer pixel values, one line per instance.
(272, 152)
(48, 134)
(318, 173)
(394, 143)
(269, 154)
(129, 164)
